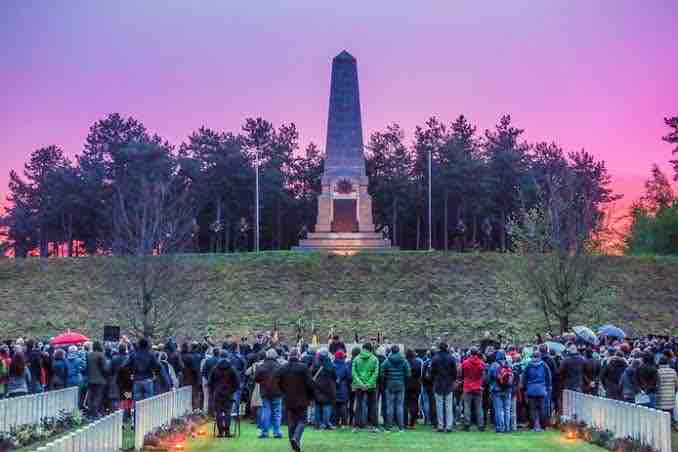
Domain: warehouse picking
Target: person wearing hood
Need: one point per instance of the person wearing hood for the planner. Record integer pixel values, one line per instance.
(296, 384)
(365, 371)
(646, 379)
(444, 375)
(473, 374)
(501, 381)
(395, 372)
(343, 372)
(628, 382)
(271, 397)
(223, 382)
(536, 378)
(325, 378)
(571, 370)
(611, 375)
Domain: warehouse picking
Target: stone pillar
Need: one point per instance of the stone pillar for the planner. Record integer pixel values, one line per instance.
(365, 220)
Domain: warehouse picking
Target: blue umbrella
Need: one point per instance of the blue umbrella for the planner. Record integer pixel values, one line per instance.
(585, 334)
(555, 347)
(611, 331)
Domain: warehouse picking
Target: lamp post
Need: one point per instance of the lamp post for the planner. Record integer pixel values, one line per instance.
(430, 226)
(256, 201)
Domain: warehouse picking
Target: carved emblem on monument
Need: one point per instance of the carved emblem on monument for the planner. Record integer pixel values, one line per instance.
(344, 187)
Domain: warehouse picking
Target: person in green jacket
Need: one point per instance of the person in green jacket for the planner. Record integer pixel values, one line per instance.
(365, 368)
(395, 371)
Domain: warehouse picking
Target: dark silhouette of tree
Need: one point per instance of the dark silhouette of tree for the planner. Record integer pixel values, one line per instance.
(389, 166)
(153, 220)
(654, 218)
(221, 177)
(558, 270)
(508, 163)
(672, 138)
(57, 207)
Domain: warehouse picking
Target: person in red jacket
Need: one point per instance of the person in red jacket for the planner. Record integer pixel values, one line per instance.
(473, 374)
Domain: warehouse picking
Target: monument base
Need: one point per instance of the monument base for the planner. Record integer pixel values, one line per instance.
(345, 242)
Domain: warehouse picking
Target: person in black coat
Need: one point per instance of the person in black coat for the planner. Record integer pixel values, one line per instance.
(223, 383)
(271, 396)
(444, 374)
(571, 370)
(550, 391)
(117, 363)
(34, 362)
(296, 384)
(591, 373)
(343, 370)
(174, 359)
(413, 388)
(59, 370)
(325, 378)
(611, 375)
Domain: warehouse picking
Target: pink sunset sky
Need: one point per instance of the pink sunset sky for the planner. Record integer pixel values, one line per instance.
(593, 74)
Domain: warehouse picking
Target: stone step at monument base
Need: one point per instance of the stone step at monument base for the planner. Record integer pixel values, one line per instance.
(345, 242)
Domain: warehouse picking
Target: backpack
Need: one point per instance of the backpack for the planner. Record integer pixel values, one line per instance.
(505, 377)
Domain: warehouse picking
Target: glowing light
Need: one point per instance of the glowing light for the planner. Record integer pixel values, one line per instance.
(571, 434)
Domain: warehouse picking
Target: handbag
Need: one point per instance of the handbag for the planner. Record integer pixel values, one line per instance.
(642, 398)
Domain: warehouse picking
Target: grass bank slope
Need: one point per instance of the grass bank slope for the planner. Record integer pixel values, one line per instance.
(410, 296)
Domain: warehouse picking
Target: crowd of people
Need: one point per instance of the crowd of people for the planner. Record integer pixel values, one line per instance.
(372, 387)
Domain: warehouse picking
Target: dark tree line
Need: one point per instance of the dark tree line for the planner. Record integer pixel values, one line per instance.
(479, 182)
(64, 207)
(654, 217)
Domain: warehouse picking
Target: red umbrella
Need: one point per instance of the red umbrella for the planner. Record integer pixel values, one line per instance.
(69, 338)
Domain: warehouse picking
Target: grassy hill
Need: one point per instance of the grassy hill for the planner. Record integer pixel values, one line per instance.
(410, 296)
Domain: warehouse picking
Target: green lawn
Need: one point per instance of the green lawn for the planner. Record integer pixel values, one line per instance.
(423, 439)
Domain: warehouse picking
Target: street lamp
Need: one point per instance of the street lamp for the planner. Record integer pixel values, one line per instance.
(256, 201)
(430, 226)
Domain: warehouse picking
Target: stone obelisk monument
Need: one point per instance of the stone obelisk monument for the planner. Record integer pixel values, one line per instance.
(344, 207)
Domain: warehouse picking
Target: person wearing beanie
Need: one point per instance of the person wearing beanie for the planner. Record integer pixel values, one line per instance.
(343, 372)
(271, 397)
(296, 385)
